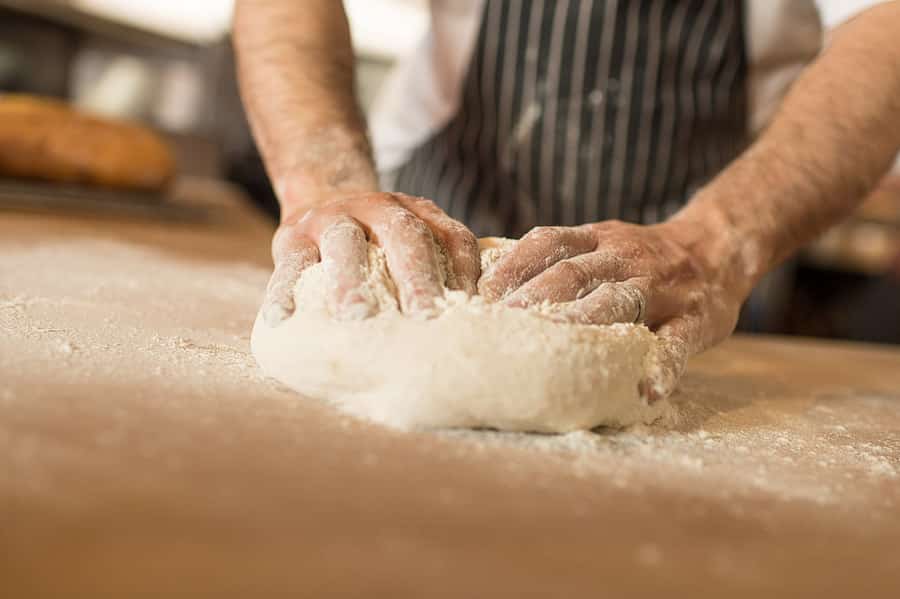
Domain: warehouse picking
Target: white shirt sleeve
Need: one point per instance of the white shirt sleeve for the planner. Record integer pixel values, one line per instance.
(834, 13)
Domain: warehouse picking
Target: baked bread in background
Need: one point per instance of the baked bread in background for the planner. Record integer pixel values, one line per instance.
(46, 139)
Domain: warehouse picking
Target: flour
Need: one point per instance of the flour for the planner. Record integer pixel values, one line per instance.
(474, 365)
(787, 463)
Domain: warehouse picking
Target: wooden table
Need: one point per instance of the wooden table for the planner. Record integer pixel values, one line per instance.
(143, 454)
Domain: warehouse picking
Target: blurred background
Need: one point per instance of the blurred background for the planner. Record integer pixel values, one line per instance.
(169, 64)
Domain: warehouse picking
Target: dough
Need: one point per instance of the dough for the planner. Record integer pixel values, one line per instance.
(475, 365)
(45, 139)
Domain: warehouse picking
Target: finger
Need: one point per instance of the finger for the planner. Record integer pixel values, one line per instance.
(345, 258)
(676, 342)
(412, 259)
(568, 280)
(607, 304)
(456, 239)
(292, 253)
(540, 249)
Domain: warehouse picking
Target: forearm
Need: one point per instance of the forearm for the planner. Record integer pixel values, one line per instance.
(833, 138)
(296, 72)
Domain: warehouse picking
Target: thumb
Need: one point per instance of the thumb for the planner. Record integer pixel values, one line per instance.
(675, 344)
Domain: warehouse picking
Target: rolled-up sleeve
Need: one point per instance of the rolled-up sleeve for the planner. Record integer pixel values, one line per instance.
(834, 13)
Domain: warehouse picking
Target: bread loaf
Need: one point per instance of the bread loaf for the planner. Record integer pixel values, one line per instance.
(46, 139)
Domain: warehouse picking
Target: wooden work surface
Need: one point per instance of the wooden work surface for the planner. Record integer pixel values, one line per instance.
(142, 454)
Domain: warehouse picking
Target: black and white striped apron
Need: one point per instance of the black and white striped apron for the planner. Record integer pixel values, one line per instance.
(577, 111)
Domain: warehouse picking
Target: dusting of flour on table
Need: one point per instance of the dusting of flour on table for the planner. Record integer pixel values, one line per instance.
(475, 365)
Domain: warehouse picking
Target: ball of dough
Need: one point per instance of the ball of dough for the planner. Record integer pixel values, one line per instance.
(475, 365)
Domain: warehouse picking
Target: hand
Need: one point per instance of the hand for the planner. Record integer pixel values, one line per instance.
(616, 272)
(337, 232)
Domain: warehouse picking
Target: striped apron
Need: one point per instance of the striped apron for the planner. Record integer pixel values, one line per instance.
(577, 111)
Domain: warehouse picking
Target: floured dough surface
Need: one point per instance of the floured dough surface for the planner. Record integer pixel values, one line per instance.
(476, 364)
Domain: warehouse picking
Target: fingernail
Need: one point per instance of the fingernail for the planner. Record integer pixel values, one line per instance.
(274, 314)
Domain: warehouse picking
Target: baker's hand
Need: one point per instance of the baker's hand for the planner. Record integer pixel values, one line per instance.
(337, 232)
(616, 272)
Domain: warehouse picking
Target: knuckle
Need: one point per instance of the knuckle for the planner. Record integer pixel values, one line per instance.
(342, 220)
(286, 232)
(290, 260)
(409, 222)
(459, 230)
(544, 233)
(426, 203)
(342, 227)
(452, 231)
(403, 199)
(694, 303)
(377, 197)
(289, 242)
(575, 270)
(402, 217)
(465, 239)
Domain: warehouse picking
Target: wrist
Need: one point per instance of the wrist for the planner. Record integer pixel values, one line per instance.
(298, 192)
(324, 168)
(731, 256)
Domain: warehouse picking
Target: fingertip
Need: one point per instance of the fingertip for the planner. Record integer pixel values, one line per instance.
(465, 275)
(419, 303)
(355, 311)
(464, 269)
(517, 301)
(494, 284)
(356, 306)
(419, 296)
(487, 290)
(468, 286)
(274, 313)
(421, 306)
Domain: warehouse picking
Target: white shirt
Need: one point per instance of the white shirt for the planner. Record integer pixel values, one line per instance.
(424, 91)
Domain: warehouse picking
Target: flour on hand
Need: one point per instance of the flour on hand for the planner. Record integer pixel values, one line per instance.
(474, 365)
